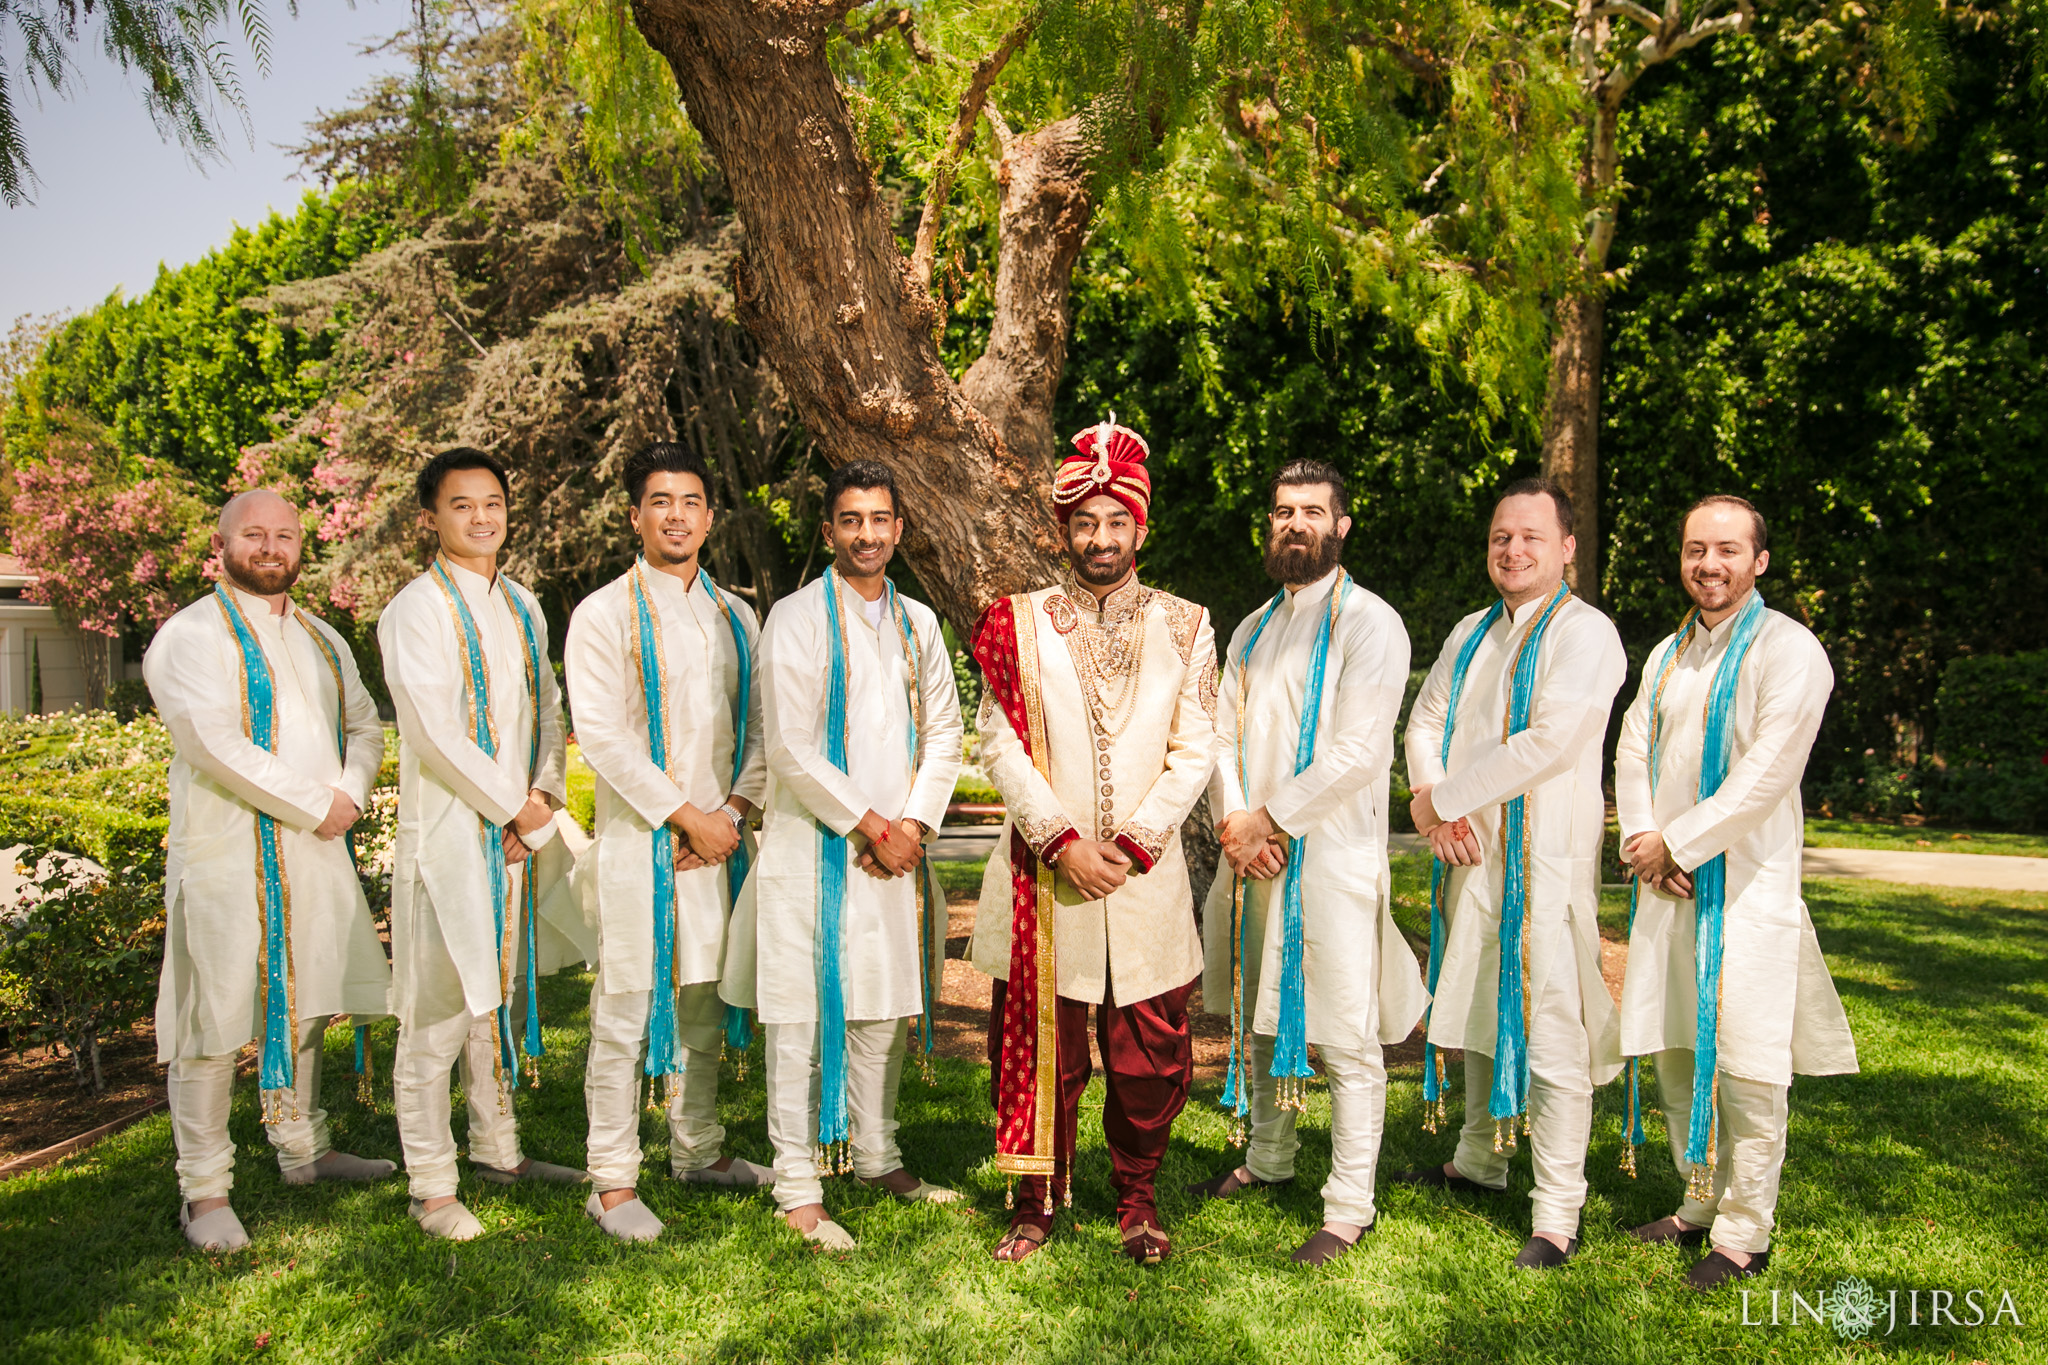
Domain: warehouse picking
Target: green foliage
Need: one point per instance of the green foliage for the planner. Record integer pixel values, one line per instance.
(79, 959)
(185, 374)
(1847, 330)
(1993, 736)
(112, 836)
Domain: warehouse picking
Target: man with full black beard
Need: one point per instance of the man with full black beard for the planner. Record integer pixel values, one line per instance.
(1098, 728)
(267, 933)
(1299, 945)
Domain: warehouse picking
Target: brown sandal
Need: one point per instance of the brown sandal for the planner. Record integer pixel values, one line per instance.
(1024, 1238)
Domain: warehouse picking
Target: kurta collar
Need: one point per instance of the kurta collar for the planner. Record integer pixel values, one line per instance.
(256, 610)
(1311, 596)
(668, 583)
(471, 583)
(1522, 615)
(1708, 639)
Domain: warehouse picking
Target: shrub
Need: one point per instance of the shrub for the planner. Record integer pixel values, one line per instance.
(79, 957)
(1873, 785)
(1991, 729)
(115, 838)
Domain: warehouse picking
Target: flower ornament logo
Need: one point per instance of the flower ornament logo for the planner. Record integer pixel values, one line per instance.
(1854, 1308)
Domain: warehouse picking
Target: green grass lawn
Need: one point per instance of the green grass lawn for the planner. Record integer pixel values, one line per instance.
(1928, 1170)
(1922, 839)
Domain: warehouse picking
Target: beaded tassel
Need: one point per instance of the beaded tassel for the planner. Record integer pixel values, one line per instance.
(532, 1074)
(1504, 1135)
(1067, 1191)
(1240, 1132)
(1010, 1192)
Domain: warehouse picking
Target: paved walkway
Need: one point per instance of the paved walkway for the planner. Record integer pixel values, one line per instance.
(1991, 871)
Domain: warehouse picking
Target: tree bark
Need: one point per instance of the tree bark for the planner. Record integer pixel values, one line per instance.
(833, 302)
(1571, 404)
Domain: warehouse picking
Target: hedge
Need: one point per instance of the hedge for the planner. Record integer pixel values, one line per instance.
(1992, 735)
(112, 837)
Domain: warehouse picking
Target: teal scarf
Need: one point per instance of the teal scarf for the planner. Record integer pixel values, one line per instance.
(829, 942)
(1709, 891)
(1510, 1095)
(485, 732)
(1290, 1051)
(664, 1044)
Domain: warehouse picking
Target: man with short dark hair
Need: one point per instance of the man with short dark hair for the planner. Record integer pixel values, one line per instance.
(1301, 946)
(1098, 726)
(1706, 781)
(1504, 749)
(839, 934)
(479, 902)
(267, 934)
(660, 666)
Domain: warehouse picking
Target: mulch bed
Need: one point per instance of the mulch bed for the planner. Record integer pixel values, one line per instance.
(41, 1102)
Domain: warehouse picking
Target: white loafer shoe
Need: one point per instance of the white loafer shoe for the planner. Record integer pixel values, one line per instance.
(743, 1174)
(219, 1230)
(631, 1221)
(340, 1166)
(831, 1236)
(451, 1222)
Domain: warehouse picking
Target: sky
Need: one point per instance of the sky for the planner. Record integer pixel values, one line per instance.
(115, 199)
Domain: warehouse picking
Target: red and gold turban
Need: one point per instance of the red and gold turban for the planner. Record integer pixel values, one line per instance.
(1108, 459)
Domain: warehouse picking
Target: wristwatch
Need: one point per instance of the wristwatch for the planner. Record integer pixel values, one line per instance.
(739, 822)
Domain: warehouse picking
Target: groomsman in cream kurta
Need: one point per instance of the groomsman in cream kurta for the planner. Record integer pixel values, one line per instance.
(1098, 728)
(662, 649)
(863, 734)
(480, 777)
(1302, 817)
(1514, 814)
(1706, 779)
(277, 744)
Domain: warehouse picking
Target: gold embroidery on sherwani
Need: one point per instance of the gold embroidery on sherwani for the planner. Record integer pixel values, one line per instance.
(1107, 646)
(1037, 832)
(1183, 619)
(1153, 841)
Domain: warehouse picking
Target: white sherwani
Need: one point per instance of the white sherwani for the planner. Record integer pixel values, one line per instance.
(1140, 938)
(444, 944)
(769, 962)
(635, 796)
(213, 945)
(1573, 1030)
(1362, 984)
(1361, 988)
(1779, 1011)
(213, 940)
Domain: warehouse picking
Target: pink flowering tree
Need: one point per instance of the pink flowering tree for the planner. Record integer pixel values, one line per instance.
(112, 539)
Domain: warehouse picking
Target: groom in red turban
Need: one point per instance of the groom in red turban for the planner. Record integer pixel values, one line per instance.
(1097, 726)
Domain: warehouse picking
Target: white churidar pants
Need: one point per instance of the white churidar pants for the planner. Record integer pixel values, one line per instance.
(874, 1070)
(428, 1050)
(614, 1083)
(1357, 1079)
(201, 1089)
(1749, 1152)
(1560, 1104)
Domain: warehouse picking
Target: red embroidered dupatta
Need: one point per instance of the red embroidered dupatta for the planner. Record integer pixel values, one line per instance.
(1027, 1097)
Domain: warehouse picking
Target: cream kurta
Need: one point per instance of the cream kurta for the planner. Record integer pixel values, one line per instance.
(447, 786)
(1361, 982)
(634, 797)
(769, 963)
(1779, 1011)
(1141, 938)
(213, 940)
(1556, 762)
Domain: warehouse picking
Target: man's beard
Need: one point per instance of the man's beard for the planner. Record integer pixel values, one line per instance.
(1290, 561)
(1100, 577)
(264, 581)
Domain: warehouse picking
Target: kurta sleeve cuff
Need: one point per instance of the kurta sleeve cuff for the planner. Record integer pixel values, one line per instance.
(1050, 849)
(1142, 858)
(539, 838)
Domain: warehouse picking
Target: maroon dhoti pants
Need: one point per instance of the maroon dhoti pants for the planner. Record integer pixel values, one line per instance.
(1148, 1060)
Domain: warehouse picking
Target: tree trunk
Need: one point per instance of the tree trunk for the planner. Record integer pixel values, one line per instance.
(823, 287)
(1571, 428)
(1571, 403)
(96, 653)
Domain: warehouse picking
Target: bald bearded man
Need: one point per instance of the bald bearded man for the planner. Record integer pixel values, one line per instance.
(267, 934)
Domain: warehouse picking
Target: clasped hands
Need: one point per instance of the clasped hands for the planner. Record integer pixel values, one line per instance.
(893, 848)
(1649, 861)
(1452, 841)
(705, 839)
(1253, 845)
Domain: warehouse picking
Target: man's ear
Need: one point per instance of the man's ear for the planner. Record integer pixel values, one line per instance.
(1143, 531)
(1343, 527)
(1763, 561)
(218, 543)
